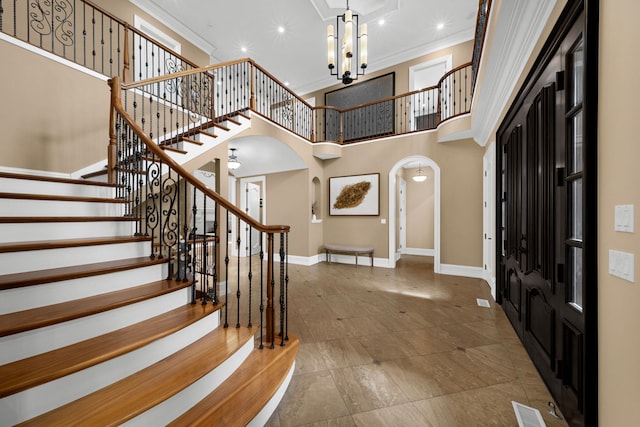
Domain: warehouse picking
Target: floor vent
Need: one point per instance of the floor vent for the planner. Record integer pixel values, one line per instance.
(527, 416)
(483, 302)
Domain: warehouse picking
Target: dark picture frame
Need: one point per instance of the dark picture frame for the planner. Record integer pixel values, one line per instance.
(373, 120)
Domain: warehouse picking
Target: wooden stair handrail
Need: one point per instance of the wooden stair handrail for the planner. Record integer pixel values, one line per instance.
(116, 106)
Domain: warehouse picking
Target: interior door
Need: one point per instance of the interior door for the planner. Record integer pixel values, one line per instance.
(540, 217)
(253, 208)
(402, 218)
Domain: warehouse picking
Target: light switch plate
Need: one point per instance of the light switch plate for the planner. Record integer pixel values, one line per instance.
(624, 215)
(622, 265)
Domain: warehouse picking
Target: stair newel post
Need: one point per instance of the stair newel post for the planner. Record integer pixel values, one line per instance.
(341, 130)
(253, 87)
(286, 287)
(125, 53)
(282, 289)
(112, 150)
(270, 285)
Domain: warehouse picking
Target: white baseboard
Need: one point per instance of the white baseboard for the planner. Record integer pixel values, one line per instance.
(306, 261)
(462, 270)
(418, 251)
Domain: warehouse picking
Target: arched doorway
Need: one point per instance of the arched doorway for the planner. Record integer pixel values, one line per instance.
(424, 162)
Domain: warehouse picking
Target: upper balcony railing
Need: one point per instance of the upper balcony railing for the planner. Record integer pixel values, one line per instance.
(82, 32)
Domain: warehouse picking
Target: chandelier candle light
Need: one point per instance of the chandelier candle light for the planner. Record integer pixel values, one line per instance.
(350, 69)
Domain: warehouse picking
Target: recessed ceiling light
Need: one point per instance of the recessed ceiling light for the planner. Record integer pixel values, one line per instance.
(281, 29)
(243, 48)
(286, 83)
(381, 22)
(440, 25)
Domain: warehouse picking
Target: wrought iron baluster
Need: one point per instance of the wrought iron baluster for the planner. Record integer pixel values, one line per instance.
(250, 274)
(238, 243)
(226, 274)
(261, 291)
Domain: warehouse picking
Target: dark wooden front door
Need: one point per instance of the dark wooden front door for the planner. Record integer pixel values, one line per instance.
(541, 218)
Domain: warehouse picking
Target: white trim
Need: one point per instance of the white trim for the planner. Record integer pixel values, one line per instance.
(51, 56)
(462, 270)
(418, 251)
(23, 171)
(268, 409)
(170, 21)
(515, 34)
(427, 162)
(156, 34)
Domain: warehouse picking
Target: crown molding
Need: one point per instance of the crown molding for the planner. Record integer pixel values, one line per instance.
(517, 26)
(179, 27)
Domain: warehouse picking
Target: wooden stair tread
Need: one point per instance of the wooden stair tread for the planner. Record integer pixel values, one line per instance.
(131, 396)
(18, 280)
(209, 134)
(241, 114)
(243, 395)
(173, 149)
(36, 370)
(93, 174)
(192, 141)
(68, 243)
(36, 219)
(54, 179)
(232, 120)
(60, 198)
(220, 126)
(21, 321)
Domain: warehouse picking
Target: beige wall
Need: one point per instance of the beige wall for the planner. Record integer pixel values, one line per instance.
(460, 165)
(125, 10)
(460, 53)
(52, 118)
(618, 177)
(420, 204)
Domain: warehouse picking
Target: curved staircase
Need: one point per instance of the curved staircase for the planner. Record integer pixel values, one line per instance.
(93, 333)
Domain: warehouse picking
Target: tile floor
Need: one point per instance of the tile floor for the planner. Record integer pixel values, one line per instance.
(402, 347)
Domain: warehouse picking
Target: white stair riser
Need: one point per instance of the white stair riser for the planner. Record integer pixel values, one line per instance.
(43, 259)
(29, 232)
(178, 404)
(28, 297)
(30, 207)
(30, 343)
(35, 401)
(28, 186)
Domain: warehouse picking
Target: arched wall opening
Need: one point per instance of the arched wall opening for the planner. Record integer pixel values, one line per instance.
(393, 220)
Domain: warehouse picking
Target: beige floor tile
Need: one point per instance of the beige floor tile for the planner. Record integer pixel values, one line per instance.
(402, 415)
(361, 326)
(311, 398)
(334, 422)
(428, 340)
(343, 353)
(309, 359)
(367, 387)
(387, 346)
(489, 406)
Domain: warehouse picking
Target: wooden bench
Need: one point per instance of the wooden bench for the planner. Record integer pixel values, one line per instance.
(345, 249)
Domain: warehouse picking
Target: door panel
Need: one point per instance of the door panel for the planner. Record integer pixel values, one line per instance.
(541, 263)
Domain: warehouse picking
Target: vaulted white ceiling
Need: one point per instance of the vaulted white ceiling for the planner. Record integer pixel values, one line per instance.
(298, 55)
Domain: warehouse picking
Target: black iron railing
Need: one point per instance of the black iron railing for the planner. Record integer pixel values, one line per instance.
(84, 33)
(189, 224)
